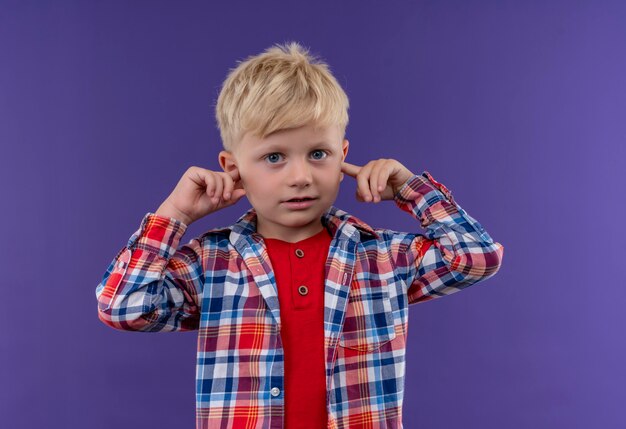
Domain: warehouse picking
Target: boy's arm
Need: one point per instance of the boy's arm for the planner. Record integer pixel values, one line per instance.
(150, 285)
(456, 251)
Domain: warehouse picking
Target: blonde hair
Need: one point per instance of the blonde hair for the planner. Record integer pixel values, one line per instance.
(283, 87)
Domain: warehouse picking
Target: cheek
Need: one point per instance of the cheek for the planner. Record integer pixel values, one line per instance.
(335, 172)
(247, 177)
(332, 178)
(257, 181)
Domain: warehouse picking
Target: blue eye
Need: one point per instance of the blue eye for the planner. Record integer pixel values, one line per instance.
(321, 152)
(272, 156)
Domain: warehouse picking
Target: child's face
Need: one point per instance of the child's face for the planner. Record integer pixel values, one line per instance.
(301, 162)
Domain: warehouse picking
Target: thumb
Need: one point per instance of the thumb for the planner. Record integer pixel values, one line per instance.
(238, 194)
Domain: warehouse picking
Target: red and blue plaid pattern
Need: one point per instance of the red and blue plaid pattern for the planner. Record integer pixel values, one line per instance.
(222, 284)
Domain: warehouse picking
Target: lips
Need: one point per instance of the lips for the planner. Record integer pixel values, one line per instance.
(293, 200)
(302, 203)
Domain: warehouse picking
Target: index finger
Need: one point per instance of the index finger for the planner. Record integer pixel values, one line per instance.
(350, 169)
(233, 174)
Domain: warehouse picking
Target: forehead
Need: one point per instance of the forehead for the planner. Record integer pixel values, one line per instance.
(296, 138)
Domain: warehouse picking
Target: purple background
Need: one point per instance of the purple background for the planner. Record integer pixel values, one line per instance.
(519, 108)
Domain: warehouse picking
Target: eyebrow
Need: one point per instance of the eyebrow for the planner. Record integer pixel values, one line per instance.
(279, 146)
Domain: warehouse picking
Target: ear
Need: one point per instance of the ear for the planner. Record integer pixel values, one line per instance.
(227, 161)
(344, 149)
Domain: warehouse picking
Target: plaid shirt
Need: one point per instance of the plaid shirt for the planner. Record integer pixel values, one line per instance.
(222, 284)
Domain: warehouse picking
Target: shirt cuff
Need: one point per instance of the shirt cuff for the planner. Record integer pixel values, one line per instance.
(420, 193)
(158, 234)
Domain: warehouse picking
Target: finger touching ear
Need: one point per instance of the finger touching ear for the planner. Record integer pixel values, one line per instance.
(350, 169)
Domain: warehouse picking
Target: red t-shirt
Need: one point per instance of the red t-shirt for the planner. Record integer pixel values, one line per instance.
(299, 271)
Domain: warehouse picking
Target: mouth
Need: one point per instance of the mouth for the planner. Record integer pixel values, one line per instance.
(299, 203)
(299, 200)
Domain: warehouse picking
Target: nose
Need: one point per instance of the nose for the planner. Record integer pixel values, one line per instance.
(300, 173)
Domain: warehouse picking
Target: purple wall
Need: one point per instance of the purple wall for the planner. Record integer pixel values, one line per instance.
(519, 108)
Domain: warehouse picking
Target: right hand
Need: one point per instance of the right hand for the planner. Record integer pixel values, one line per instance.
(200, 192)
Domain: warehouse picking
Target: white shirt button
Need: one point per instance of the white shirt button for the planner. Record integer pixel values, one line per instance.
(275, 391)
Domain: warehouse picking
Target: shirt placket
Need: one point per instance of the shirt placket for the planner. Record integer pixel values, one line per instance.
(301, 262)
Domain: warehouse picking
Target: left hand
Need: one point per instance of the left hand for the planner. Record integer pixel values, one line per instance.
(377, 180)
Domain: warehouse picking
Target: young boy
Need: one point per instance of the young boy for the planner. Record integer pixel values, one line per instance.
(301, 308)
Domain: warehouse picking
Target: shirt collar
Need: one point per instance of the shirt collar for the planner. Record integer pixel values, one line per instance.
(338, 222)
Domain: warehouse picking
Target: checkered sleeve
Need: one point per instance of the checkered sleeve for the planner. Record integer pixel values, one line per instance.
(151, 284)
(455, 252)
